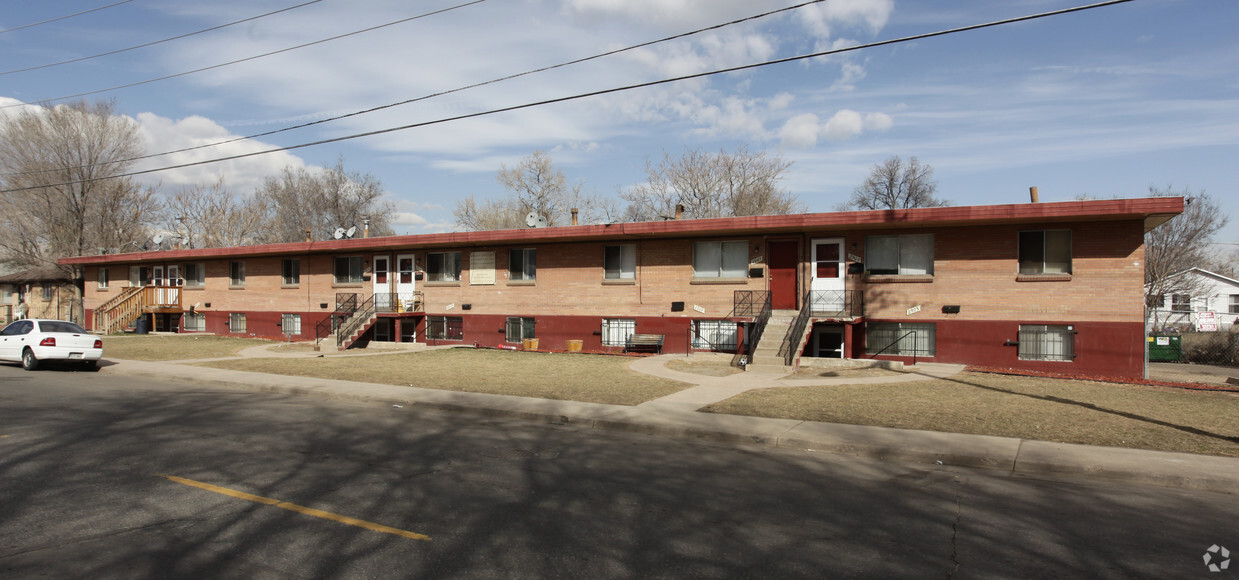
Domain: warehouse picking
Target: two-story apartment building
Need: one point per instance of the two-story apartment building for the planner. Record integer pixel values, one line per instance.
(1043, 286)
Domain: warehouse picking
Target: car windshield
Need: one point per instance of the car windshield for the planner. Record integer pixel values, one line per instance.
(60, 326)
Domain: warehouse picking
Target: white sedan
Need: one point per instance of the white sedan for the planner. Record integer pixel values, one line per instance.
(32, 341)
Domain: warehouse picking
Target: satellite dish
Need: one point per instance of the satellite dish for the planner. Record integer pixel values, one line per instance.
(158, 239)
(531, 220)
(339, 233)
(351, 232)
(541, 222)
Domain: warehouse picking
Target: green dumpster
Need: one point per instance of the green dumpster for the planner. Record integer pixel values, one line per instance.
(1165, 348)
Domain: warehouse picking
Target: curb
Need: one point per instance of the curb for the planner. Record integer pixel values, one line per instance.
(1003, 454)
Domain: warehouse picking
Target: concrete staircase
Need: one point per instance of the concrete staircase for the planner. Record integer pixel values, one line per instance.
(765, 356)
(361, 329)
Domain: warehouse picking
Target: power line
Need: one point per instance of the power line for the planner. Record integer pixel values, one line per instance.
(153, 43)
(451, 91)
(247, 59)
(598, 93)
(64, 17)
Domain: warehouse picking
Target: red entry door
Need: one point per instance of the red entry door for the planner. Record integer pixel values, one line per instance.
(783, 260)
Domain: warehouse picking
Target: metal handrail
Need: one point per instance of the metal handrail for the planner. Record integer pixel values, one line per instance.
(897, 341)
(359, 317)
(754, 335)
(796, 330)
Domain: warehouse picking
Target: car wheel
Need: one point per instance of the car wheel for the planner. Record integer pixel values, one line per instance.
(90, 365)
(29, 361)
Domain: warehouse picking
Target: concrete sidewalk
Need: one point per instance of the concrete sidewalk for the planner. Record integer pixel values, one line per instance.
(676, 415)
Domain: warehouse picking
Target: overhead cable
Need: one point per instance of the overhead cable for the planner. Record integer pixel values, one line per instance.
(451, 91)
(154, 42)
(33, 24)
(597, 93)
(247, 59)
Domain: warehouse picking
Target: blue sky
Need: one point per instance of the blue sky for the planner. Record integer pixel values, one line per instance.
(1104, 102)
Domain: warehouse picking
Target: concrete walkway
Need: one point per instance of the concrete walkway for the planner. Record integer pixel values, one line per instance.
(676, 415)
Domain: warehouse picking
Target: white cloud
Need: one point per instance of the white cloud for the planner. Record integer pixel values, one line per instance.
(241, 175)
(822, 18)
(803, 131)
(799, 132)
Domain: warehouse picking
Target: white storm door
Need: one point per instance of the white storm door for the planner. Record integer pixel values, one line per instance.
(382, 286)
(406, 283)
(828, 268)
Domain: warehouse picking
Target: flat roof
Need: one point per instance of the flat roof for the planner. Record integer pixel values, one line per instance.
(1152, 211)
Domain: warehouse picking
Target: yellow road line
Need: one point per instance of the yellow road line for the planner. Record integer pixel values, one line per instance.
(297, 508)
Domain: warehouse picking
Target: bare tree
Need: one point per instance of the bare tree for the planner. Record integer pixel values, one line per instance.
(894, 184)
(533, 185)
(213, 217)
(1180, 244)
(321, 201)
(710, 185)
(56, 164)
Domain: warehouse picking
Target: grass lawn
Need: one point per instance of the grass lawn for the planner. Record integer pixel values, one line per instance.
(1085, 412)
(151, 347)
(572, 377)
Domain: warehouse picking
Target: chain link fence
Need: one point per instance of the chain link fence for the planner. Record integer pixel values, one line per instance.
(1220, 348)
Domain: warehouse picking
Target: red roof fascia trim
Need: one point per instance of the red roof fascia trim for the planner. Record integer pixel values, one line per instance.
(1110, 209)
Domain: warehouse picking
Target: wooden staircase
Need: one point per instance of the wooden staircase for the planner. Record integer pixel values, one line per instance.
(766, 355)
(118, 312)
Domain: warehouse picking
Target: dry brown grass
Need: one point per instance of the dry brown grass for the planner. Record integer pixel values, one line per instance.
(151, 347)
(571, 377)
(1068, 411)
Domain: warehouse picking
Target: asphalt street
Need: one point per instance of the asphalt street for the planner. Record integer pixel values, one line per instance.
(107, 476)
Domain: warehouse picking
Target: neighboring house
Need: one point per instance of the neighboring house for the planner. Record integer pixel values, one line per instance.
(1216, 294)
(46, 292)
(1052, 287)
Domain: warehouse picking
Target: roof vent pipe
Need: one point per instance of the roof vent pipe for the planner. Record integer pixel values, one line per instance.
(1032, 193)
(679, 211)
(574, 221)
(307, 234)
(365, 233)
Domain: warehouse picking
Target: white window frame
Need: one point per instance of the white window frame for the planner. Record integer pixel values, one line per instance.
(290, 324)
(1234, 304)
(616, 331)
(236, 322)
(879, 335)
(716, 335)
(449, 266)
(722, 259)
(49, 292)
(523, 264)
(1181, 302)
(1043, 243)
(102, 278)
(1047, 342)
(619, 262)
(900, 255)
(194, 322)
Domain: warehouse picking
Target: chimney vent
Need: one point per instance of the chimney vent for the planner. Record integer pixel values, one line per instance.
(1032, 193)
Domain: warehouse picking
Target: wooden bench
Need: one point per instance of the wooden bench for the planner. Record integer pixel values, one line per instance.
(650, 342)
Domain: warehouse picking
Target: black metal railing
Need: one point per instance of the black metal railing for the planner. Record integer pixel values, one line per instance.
(791, 341)
(911, 333)
(364, 311)
(762, 312)
(835, 303)
(749, 302)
